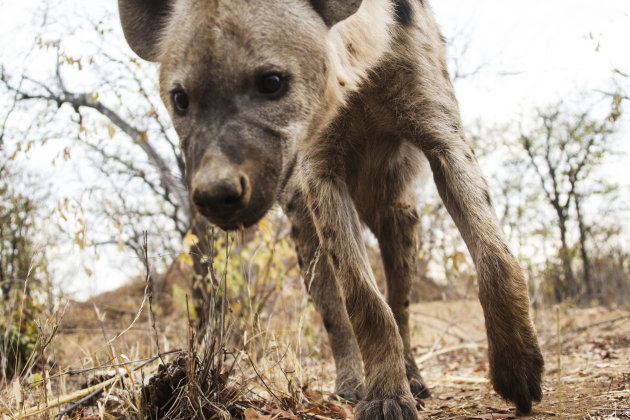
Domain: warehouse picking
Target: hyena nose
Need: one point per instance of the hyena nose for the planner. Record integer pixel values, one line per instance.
(222, 197)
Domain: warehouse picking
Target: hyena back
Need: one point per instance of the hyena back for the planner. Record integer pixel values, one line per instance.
(332, 107)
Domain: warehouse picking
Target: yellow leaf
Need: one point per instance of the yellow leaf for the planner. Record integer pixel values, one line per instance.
(263, 224)
(191, 239)
(185, 259)
(79, 238)
(142, 136)
(111, 130)
(458, 259)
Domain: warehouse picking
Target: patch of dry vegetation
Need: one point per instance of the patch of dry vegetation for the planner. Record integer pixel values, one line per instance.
(134, 354)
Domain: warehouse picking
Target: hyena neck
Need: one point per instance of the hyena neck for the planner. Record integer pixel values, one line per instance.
(355, 46)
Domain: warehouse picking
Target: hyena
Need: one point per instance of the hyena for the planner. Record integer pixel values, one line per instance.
(331, 107)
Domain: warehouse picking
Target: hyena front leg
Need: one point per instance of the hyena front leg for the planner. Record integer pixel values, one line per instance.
(339, 230)
(516, 364)
(324, 290)
(395, 229)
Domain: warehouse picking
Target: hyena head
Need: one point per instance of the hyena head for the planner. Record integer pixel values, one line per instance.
(242, 80)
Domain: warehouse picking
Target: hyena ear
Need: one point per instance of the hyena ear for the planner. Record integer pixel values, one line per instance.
(142, 22)
(332, 11)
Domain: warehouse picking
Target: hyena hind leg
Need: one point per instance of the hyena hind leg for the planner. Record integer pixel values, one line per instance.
(395, 230)
(324, 290)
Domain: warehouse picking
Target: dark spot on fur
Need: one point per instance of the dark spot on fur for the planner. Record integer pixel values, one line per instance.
(455, 127)
(294, 232)
(406, 303)
(446, 75)
(506, 249)
(300, 262)
(327, 324)
(335, 259)
(470, 157)
(350, 48)
(404, 14)
(488, 199)
(414, 214)
(329, 233)
(444, 110)
(342, 83)
(407, 241)
(293, 202)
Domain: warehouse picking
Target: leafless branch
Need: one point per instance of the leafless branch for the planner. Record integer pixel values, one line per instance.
(171, 184)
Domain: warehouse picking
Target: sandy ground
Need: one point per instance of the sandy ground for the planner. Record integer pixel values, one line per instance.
(588, 376)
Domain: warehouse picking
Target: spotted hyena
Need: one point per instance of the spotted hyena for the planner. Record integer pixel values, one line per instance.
(332, 108)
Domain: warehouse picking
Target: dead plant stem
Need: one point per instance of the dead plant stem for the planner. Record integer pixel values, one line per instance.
(559, 353)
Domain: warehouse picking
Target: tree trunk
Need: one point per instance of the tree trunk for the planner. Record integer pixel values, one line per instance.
(585, 259)
(565, 257)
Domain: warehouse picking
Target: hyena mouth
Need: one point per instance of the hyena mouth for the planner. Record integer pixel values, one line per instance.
(235, 221)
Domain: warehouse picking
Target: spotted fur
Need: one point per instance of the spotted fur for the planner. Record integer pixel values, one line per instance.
(363, 104)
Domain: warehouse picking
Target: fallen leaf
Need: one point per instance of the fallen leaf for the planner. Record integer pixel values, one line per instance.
(343, 411)
(251, 414)
(481, 367)
(313, 396)
(282, 415)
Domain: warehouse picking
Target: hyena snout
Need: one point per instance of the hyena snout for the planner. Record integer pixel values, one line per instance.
(221, 197)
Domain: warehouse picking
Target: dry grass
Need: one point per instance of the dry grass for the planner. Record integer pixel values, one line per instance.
(108, 358)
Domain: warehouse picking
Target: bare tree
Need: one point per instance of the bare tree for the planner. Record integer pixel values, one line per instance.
(564, 151)
(110, 117)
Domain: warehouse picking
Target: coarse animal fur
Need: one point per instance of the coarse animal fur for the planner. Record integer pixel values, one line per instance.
(332, 107)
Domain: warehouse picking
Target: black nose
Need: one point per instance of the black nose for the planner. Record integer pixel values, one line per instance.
(221, 197)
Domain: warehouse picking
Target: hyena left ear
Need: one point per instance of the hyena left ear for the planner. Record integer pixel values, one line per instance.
(142, 21)
(333, 11)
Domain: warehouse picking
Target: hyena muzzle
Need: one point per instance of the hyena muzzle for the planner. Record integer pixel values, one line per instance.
(332, 107)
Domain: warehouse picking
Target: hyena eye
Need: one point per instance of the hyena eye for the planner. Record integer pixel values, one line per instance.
(180, 101)
(271, 85)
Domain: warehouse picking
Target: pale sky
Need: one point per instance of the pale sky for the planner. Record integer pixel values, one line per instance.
(534, 53)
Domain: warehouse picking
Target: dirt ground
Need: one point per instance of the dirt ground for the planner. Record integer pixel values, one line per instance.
(587, 376)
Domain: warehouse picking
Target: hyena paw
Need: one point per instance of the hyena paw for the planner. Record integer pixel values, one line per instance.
(418, 388)
(416, 384)
(352, 390)
(517, 374)
(402, 408)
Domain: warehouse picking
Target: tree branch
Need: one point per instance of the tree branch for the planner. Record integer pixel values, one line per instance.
(172, 185)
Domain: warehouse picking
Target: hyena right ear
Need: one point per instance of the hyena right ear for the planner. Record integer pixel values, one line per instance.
(333, 11)
(142, 21)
